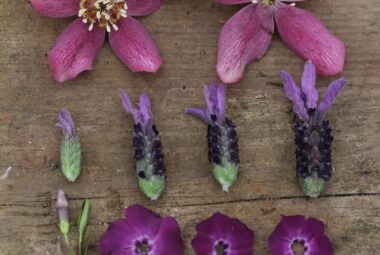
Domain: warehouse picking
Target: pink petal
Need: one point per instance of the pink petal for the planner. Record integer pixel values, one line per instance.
(134, 46)
(304, 33)
(56, 8)
(75, 50)
(230, 2)
(143, 7)
(245, 37)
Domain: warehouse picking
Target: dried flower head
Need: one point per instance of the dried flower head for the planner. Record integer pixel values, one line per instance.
(148, 148)
(222, 235)
(142, 232)
(247, 35)
(313, 134)
(70, 146)
(222, 138)
(76, 48)
(298, 235)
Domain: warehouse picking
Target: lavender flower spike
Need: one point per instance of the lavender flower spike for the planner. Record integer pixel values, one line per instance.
(312, 134)
(70, 146)
(222, 138)
(63, 215)
(148, 148)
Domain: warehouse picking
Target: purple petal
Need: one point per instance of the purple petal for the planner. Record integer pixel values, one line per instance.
(75, 50)
(119, 236)
(203, 245)
(210, 92)
(199, 113)
(320, 245)
(312, 228)
(145, 112)
(239, 236)
(143, 221)
(293, 92)
(66, 123)
(56, 8)
(308, 86)
(244, 38)
(221, 101)
(134, 47)
(142, 8)
(168, 240)
(62, 206)
(304, 33)
(331, 93)
(287, 230)
(126, 251)
(231, 2)
(128, 106)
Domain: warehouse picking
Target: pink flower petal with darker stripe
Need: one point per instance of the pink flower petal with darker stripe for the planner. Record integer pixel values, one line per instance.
(134, 47)
(244, 38)
(142, 8)
(231, 2)
(56, 8)
(75, 50)
(304, 33)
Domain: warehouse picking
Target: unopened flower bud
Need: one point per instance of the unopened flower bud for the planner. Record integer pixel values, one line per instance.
(70, 146)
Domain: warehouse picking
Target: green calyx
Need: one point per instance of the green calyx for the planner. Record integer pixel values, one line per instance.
(226, 175)
(312, 186)
(71, 158)
(64, 227)
(152, 186)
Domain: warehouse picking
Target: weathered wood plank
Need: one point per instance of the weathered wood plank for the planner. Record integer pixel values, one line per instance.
(186, 32)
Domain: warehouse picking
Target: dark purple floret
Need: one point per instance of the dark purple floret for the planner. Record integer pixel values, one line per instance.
(313, 149)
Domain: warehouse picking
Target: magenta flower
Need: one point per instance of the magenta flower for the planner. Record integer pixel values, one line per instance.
(295, 235)
(222, 235)
(246, 37)
(223, 151)
(313, 134)
(76, 48)
(142, 232)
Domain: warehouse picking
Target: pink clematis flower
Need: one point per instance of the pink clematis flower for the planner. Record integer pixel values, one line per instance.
(76, 48)
(246, 37)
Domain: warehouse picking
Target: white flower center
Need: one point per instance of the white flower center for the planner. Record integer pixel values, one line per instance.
(102, 13)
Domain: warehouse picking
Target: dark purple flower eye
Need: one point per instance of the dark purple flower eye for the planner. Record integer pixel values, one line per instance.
(222, 235)
(142, 232)
(297, 235)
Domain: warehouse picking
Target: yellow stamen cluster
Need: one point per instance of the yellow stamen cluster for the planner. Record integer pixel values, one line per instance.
(102, 13)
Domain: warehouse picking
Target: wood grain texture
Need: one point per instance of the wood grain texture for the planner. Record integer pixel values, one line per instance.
(186, 33)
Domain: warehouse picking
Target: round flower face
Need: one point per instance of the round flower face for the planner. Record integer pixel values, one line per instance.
(102, 13)
(142, 232)
(222, 235)
(295, 235)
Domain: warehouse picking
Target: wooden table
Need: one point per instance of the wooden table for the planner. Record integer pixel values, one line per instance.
(186, 33)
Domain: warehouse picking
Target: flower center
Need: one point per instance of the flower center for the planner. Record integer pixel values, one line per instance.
(103, 13)
(221, 248)
(299, 247)
(142, 247)
(266, 2)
